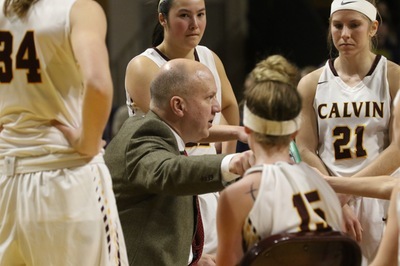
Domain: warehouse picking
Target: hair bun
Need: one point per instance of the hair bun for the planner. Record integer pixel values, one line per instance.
(277, 69)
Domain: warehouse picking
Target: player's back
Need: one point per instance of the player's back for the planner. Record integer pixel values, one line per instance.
(291, 198)
(40, 81)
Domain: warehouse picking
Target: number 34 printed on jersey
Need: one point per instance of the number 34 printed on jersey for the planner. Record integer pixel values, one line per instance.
(24, 59)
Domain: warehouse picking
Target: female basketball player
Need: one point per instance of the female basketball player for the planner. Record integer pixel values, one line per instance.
(273, 196)
(57, 206)
(347, 115)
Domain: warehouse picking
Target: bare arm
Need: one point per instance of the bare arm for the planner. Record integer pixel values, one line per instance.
(229, 105)
(388, 160)
(230, 216)
(226, 133)
(393, 78)
(373, 186)
(386, 163)
(88, 32)
(307, 137)
(139, 74)
(388, 249)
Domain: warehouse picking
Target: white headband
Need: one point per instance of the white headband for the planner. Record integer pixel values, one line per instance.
(269, 127)
(362, 6)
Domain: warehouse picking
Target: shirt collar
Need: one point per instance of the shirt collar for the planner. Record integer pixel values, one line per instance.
(179, 140)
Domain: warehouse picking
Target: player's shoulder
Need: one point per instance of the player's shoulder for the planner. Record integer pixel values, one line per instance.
(87, 12)
(248, 180)
(308, 84)
(142, 65)
(393, 76)
(91, 5)
(312, 77)
(141, 60)
(393, 68)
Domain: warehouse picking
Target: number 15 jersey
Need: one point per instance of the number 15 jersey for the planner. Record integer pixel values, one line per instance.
(291, 198)
(353, 122)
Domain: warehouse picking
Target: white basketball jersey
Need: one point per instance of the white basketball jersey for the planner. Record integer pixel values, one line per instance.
(36, 59)
(353, 122)
(291, 198)
(206, 57)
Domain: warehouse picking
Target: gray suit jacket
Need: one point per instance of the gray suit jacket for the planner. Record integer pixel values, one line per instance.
(154, 187)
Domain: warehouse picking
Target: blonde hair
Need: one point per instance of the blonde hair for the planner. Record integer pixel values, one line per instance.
(272, 94)
(275, 68)
(17, 7)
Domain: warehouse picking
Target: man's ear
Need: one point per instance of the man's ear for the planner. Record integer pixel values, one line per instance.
(178, 105)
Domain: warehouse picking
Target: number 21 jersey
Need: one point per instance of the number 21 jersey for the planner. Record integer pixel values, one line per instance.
(353, 122)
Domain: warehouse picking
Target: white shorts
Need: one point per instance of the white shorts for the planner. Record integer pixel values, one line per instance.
(65, 216)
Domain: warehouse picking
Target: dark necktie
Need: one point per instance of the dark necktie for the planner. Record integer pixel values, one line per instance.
(198, 240)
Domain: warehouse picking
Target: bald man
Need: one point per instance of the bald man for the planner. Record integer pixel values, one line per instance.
(154, 183)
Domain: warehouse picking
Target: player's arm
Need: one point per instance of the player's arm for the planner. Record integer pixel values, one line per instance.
(226, 133)
(234, 205)
(388, 249)
(88, 32)
(373, 186)
(139, 74)
(389, 160)
(307, 137)
(229, 105)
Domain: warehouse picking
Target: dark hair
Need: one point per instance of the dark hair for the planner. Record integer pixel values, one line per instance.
(158, 33)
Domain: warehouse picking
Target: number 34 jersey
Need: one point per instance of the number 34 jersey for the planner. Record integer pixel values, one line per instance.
(353, 122)
(40, 80)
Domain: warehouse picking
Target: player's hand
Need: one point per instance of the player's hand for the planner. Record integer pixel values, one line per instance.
(74, 138)
(242, 135)
(351, 223)
(241, 162)
(207, 260)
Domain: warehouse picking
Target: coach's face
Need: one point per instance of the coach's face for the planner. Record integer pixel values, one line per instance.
(202, 105)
